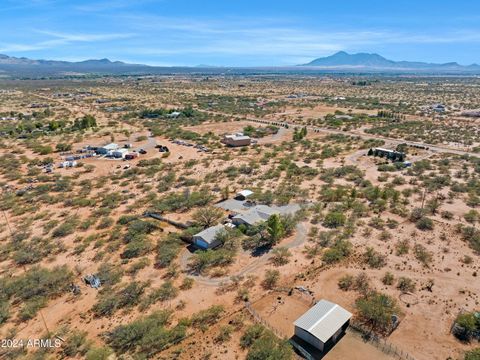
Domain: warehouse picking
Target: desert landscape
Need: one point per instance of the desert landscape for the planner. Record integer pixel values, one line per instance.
(197, 217)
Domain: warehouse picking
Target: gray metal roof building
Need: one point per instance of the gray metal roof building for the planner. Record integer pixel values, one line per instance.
(323, 323)
(206, 239)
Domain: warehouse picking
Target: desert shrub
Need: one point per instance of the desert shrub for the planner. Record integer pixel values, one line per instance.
(402, 247)
(76, 344)
(251, 334)
(280, 256)
(224, 334)
(468, 323)
(422, 254)
(374, 259)
(167, 291)
(187, 283)
(146, 336)
(138, 228)
(424, 223)
(98, 353)
(105, 223)
(204, 318)
(167, 250)
(67, 228)
(334, 219)
(340, 250)
(109, 274)
(138, 246)
(35, 287)
(263, 344)
(471, 235)
(376, 309)
(203, 260)
(268, 346)
(137, 266)
(345, 282)
(271, 279)
(181, 201)
(405, 284)
(388, 278)
(472, 354)
(4, 311)
(126, 296)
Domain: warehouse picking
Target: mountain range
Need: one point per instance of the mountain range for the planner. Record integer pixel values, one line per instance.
(374, 61)
(21, 67)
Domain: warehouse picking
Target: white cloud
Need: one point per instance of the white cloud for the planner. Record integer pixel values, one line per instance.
(58, 39)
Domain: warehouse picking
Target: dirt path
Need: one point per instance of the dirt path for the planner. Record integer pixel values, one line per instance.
(434, 148)
(300, 238)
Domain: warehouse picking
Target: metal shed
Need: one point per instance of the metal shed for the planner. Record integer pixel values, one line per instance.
(322, 324)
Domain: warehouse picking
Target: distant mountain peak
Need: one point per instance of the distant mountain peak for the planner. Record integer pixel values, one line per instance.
(344, 60)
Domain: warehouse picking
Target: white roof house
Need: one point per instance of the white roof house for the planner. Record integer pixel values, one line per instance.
(321, 324)
(207, 239)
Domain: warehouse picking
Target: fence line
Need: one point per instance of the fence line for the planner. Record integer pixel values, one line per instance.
(380, 343)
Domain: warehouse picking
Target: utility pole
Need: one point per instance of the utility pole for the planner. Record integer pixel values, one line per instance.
(8, 223)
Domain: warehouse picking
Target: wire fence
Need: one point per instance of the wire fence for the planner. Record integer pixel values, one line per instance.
(380, 343)
(259, 319)
(355, 328)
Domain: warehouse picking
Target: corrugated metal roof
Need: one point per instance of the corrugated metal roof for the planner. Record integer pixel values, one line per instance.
(323, 320)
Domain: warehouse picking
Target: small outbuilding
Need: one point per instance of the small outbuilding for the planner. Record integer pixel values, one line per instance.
(207, 239)
(322, 325)
(237, 140)
(243, 195)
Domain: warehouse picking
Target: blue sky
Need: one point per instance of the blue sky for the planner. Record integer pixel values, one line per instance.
(239, 32)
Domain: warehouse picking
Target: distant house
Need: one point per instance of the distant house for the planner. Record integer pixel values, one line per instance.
(68, 164)
(120, 153)
(389, 154)
(106, 149)
(236, 140)
(243, 195)
(343, 117)
(174, 114)
(439, 107)
(207, 239)
(322, 325)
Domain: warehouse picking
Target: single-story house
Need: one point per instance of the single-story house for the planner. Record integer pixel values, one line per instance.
(120, 153)
(260, 213)
(243, 195)
(236, 140)
(323, 324)
(255, 215)
(106, 149)
(207, 239)
(389, 154)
